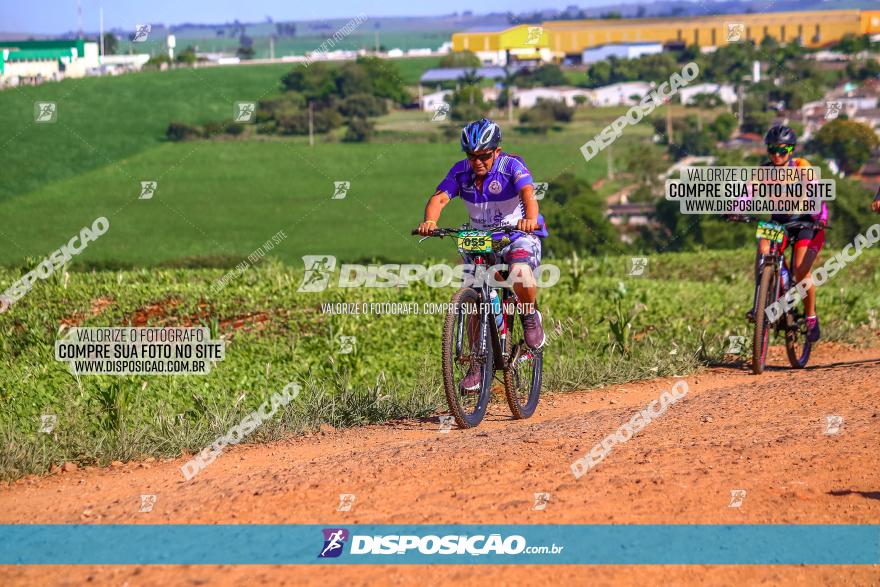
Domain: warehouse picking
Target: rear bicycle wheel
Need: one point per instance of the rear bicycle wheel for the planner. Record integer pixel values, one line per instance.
(796, 331)
(761, 340)
(462, 351)
(522, 377)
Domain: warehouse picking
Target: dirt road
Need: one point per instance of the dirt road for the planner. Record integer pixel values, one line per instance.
(766, 435)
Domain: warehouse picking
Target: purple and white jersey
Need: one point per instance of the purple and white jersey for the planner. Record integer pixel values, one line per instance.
(498, 202)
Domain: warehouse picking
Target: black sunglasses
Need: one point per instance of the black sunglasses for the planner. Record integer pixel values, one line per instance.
(484, 157)
(780, 149)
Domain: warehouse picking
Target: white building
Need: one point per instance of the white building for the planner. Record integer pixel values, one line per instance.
(621, 51)
(725, 92)
(528, 97)
(431, 101)
(621, 94)
(32, 62)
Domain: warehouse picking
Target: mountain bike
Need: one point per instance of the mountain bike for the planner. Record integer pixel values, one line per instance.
(775, 279)
(481, 329)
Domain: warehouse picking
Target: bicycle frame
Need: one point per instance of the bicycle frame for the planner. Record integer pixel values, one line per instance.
(487, 319)
(776, 258)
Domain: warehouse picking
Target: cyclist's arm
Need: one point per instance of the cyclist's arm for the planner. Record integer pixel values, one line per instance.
(530, 204)
(435, 205)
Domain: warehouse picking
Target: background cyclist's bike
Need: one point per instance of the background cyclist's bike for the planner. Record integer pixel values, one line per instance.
(775, 279)
(482, 332)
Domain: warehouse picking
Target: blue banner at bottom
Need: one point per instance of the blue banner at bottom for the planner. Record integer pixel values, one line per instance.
(142, 544)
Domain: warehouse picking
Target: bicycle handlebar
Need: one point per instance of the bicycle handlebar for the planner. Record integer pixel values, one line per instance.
(441, 232)
(790, 224)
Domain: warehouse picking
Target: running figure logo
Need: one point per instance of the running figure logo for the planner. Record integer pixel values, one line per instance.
(441, 110)
(334, 540)
(540, 189)
(534, 35)
(833, 424)
(141, 32)
(735, 344)
(832, 110)
(47, 423)
(736, 497)
(637, 266)
(340, 189)
(318, 271)
(148, 188)
(244, 111)
(541, 500)
(735, 31)
(45, 112)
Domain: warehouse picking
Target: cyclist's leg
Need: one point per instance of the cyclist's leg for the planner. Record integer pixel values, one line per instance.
(473, 378)
(806, 251)
(523, 256)
(763, 249)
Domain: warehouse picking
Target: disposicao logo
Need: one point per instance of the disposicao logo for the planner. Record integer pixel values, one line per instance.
(334, 540)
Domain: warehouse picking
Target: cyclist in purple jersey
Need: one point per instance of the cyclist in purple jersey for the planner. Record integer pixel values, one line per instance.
(497, 189)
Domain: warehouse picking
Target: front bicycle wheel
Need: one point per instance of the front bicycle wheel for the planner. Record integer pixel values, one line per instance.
(522, 377)
(796, 331)
(466, 359)
(761, 340)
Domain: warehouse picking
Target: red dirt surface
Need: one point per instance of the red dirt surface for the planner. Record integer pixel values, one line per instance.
(732, 431)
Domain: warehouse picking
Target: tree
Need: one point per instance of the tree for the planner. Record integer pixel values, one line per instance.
(316, 82)
(385, 79)
(723, 126)
(467, 104)
(646, 163)
(245, 53)
(246, 48)
(187, 56)
(575, 216)
(285, 29)
(850, 44)
(182, 131)
(460, 59)
(359, 130)
(111, 44)
(362, 106)
(545, 75)
(847, 142)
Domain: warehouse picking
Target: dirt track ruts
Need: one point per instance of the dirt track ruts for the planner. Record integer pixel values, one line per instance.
(764, 434)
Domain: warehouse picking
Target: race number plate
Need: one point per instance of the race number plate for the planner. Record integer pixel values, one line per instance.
(770, 231)
(475, 241)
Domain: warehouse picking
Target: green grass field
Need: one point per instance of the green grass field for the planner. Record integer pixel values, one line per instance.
(680, 315)
(219, 199)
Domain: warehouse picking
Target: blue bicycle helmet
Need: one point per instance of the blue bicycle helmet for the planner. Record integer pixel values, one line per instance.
(480, 135)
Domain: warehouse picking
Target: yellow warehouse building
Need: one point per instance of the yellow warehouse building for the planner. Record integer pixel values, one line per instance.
(557, 39)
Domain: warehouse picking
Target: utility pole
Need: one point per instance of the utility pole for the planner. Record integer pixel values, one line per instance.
(610, 160)
(669, 121)
(311, 125)
(377, 40)
(101, 27)
(510, 103)
(79, 17)
(739, 92)
(272, 47)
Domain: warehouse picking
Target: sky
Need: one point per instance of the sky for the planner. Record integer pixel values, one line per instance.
(58, 16)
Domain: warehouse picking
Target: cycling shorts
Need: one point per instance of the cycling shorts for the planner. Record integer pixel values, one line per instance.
(525, 249)
(807, 237)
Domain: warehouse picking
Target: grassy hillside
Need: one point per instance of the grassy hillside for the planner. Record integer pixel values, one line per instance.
(102, 121)
(224, 198)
